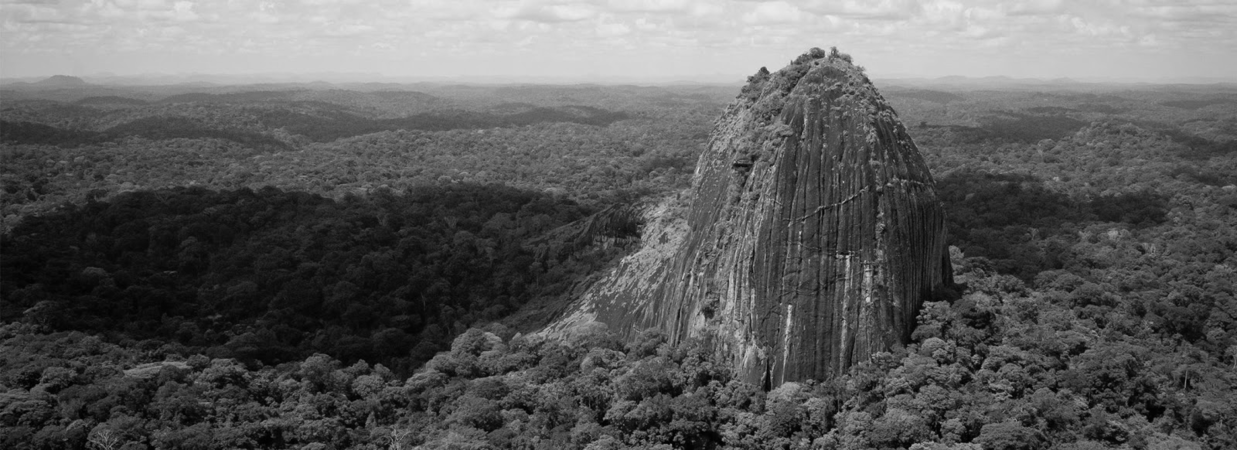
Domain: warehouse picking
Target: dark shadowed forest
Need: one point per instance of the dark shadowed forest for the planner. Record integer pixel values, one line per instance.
(331, 267)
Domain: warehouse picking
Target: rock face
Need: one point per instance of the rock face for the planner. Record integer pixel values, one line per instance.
(812, 238)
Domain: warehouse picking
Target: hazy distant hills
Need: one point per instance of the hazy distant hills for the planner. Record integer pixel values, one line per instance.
(61, 81)
(68, 111)
(715, 79)
(1062, 83)
(258, 123)
(53, 82)
(285, 116)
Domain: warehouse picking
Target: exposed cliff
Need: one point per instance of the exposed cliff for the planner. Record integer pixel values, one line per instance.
(812, 238)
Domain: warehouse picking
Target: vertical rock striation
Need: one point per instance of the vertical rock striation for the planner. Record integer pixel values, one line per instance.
(812, 238)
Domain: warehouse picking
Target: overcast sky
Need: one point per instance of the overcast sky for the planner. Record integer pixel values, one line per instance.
(643, 39)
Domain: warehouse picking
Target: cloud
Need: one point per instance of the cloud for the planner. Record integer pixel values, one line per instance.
(876, 10)
(706, 9)
(349, 30)
(550, 13)
(1098, 28)
(650, 6)
(1036, 7)
(613, 29)
(947, 13)
(35, 12)
(770, 13)
(1200, 12)
(439, 10)
(573, 31)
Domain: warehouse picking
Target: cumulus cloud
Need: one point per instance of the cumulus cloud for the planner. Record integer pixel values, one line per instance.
(650, 6)
(439, 10)
(1036, 7)
(612, 29)
(777, 12)
(549, 12)
(879, 9)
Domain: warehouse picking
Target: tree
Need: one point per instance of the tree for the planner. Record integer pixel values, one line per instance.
(1010, 436)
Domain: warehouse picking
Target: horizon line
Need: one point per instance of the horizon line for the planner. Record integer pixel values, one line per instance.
(234, 79)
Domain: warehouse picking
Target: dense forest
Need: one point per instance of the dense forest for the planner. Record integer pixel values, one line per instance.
(273, 276)
(326, 268)
(601, 145)
(306, 119)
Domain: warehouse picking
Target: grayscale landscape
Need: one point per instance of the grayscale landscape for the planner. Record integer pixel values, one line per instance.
(563, 248)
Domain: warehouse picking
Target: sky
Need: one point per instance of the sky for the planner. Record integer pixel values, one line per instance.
(638, 40)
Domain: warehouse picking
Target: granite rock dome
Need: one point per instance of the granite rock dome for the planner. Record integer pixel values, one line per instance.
(812, 237)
